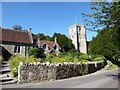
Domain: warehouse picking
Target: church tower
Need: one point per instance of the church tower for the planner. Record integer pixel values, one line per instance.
(77, 33)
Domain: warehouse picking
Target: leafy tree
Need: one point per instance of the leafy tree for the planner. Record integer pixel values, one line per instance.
(103, 44)
(105, 17)
(64, 42)
(37, 52)
(17, 27)
(48, 38)
(34, 37)
(41, 36)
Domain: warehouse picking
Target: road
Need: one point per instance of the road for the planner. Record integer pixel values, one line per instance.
(100, 79)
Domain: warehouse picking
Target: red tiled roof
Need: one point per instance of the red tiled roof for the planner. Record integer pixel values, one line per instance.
(15, 36)
(49, 43)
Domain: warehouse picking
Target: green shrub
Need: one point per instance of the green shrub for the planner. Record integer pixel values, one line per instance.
(73, 57)
(84, 57)
(99, 58)
(31, 59)
(37, 52)
(14, 63)
(84, 61)
(49, 57)
(14, 72)
(1, 59)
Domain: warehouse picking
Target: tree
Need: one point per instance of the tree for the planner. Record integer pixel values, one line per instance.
(41, 36)
(37, 52)
(64, 42)
(17, 27)
(103, 44)
(107, 16)
(48, 38)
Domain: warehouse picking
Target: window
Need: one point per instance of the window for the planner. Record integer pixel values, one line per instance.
(44, 46)
(55, 47)
(17, 49)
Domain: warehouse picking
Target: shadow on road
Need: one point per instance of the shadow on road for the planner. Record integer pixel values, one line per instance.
(114, 76)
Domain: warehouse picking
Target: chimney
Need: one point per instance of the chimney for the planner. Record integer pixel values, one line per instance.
(30, 29)
(38, 40)
(55, 40)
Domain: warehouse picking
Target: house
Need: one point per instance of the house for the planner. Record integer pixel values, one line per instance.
(48, 46)
(15, 42)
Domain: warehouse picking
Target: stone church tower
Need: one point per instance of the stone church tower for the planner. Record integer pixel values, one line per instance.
(77, 33)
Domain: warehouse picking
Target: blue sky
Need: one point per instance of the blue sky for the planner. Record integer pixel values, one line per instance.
(45, 17)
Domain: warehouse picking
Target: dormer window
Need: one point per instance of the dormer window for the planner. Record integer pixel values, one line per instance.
(55, 47)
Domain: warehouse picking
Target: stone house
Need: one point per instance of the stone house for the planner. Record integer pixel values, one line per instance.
(15, 42)
(48, 46)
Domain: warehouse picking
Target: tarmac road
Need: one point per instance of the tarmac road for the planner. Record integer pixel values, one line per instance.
(100, 79)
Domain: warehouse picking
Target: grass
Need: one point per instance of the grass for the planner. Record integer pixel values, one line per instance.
(112, 66)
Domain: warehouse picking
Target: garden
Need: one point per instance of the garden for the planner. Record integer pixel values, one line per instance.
(35, 57)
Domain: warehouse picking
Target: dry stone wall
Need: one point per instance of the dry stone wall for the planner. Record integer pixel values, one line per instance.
(50, 71)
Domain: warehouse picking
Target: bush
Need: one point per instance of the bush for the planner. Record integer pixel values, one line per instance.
(99, 58)
(73, 57)
(31, 59)
(84, 56)
(84, 61)
(37, 52)
(1, 59)
(14, 63)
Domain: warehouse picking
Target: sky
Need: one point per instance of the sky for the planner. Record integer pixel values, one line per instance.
(45, 17)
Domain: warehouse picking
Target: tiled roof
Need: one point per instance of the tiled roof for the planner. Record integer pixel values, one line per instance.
(15, 36)
(49, 43)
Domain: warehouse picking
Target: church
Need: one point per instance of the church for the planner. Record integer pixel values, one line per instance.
(77, 33)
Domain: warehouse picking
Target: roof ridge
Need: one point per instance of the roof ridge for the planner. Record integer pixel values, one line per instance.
(48, 41)
(15, 30)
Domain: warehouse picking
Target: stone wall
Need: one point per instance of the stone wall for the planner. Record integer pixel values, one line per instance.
(47, 72)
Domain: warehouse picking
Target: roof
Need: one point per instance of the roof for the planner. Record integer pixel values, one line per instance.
(15, 36)
(49, 43)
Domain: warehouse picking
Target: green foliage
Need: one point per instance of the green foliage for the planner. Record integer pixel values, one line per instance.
(14, 72)
(64, 42)
(1, 59)
(107, 16)
(41, 36)
(85, 56)
(14, 63)
(111, 66)
(32, 59)
(37, 52)
(99, 59)
(17, 27)
(73, 57)
(84, 61)
(104, 44)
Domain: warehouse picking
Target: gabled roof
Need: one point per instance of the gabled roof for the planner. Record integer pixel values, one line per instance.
(15, 36)
(49, 43)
